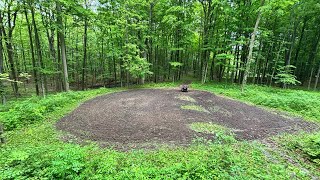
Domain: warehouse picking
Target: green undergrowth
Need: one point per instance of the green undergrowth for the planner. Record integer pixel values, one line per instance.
(36, 109)
(36, 152)
(298, 102)
(222, 133)
(34, 149)
(303, 143)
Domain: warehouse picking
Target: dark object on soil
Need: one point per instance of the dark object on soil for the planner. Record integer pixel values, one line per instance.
(184, 88)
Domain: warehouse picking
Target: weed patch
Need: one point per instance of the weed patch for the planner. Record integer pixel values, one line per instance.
(194, 108)
(222, 133)
(308, 144)
(186, 98)
(36, 109)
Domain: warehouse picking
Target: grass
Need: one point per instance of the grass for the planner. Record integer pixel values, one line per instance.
(33, 148)
(297, 102)
(186, 98)
(194, 108)
(209, 128)
(222, 133)
(305, 143)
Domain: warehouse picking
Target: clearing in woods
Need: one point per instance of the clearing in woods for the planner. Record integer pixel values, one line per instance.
(142, 118)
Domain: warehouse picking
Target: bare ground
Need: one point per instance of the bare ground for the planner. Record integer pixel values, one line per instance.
(142, 118)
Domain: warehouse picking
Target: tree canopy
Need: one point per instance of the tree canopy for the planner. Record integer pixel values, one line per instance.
(49, 45)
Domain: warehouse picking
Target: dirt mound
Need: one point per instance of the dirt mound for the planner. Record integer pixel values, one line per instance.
(153, 116)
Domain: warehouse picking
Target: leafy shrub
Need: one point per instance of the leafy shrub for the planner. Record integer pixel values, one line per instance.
(67, 161)
(285, 76)
(311, 146)
(35, 109)
(308, 144)
(44, 161)
(22, 114)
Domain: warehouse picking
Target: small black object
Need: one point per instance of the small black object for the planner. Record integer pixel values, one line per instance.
(184, 88)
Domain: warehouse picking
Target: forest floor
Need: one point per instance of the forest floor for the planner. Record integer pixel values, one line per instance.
(148, 118)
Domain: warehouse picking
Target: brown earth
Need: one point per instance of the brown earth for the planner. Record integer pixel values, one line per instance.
(139, 118)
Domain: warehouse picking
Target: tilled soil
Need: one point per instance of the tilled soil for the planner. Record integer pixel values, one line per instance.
(153, 116)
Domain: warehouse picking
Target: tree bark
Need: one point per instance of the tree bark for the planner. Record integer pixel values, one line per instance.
(2, 140)
(34, 64)
(276, 61)
(312, 56)
(84, 65)
(207, 28)
(63, 48)
(39, 53)
(50, 32)
(310, 78)
(8, 40)
(1, 63)
(317, 79)
(300, 40)
(249, 58)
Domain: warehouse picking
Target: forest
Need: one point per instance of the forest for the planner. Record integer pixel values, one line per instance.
(54, 46)
(90, 89)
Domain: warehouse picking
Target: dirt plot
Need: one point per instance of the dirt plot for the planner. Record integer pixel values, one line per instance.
(151, 116)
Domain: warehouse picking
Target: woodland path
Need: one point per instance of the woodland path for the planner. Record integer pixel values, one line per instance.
(147, 117)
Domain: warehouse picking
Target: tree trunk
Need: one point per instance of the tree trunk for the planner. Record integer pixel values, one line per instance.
(63, 48)
(300, 41)
(39, 53)
(1, 50)
(276, 61)
(150, 40)
(1, 134)
(59, 83)
(9, 40)
(317, 79)
(312, 56)
(310, 78)
(207, 28)
(256, 71)
(292, 42)
(1, 64)
(249, 58)
(84, 63)
(50, 32)
(34, 64)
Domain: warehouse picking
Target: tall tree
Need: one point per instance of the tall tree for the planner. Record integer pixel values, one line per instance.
(39, 51)
(251, 45)
(84, 66)
(62, 46)
(12, 11)
(1, 62)
(34, 64)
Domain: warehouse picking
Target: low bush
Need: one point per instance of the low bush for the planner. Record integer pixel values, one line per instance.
(35, 109)
(308, 144)
(67, 161)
